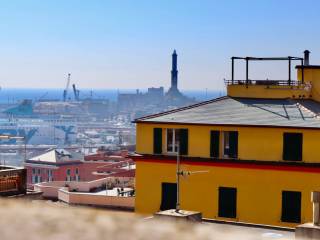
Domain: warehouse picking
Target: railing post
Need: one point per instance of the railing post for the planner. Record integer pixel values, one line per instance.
(247, 71)
(232, 69)
(289, 71)
(302, 71)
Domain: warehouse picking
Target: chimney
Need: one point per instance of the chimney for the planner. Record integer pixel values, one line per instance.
(306, 57)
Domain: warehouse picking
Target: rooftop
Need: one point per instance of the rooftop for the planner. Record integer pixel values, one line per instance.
(57, 156)
(244, 111)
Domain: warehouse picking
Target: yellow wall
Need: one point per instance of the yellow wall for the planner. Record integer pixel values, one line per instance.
(258, 191)
(313, 76)
(260, 91)
(253, 143)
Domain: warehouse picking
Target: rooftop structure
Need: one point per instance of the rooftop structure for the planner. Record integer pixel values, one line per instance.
(254, 152)
(114, 192)
(305, 86)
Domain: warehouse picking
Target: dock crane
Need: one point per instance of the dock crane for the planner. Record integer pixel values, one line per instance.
(76, 92)
(65, 92)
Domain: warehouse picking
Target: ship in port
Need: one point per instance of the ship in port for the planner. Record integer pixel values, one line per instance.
(22, 121)
(37, 131)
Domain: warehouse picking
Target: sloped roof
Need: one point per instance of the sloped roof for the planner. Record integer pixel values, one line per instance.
(57, 156)
(244, 111)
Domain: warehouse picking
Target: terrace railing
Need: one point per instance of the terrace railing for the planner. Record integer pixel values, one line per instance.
(264, 82)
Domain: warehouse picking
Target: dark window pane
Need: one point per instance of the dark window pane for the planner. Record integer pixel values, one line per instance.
(183, 141)
(157, 140)
(226, 144)
(227, 202)
(170, 140)
(214, 144)
(176, 139)
(233, 143)
(291, 207)
(292, 146)
(169, 196)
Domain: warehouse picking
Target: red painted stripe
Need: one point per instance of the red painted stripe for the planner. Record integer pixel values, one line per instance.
(313, 169)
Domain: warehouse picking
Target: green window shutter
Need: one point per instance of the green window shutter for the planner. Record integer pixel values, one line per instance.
(157, 140)
(184, 141)
(292, 146)
(214, 144)
(233, 138)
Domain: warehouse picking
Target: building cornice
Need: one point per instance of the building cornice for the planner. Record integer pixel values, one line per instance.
(232, 163)
(228, 125)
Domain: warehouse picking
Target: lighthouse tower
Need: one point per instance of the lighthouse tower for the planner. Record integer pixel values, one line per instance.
(173, 91)
(174, 71)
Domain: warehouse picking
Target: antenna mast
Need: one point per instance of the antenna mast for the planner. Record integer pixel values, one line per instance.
(178, 178)
(183, 174)
(65, 92)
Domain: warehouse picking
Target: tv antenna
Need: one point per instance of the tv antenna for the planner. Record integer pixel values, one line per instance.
(183, 174)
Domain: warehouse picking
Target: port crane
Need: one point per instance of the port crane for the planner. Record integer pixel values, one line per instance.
(65, 92)
(76, 92)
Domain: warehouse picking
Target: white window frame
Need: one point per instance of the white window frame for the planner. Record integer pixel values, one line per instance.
(69, 179)
(224, 143)
(50, 174)
(33, 180)
(173, 141)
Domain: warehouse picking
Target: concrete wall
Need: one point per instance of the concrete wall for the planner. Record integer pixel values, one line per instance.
(95, 200)
(50, 189)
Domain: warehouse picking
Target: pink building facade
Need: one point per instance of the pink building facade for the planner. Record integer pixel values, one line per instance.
(60, 165)
(63, 165)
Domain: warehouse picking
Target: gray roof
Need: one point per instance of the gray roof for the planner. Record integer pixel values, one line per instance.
(245, 111)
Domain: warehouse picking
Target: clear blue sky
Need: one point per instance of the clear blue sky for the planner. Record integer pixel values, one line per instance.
(128, 44)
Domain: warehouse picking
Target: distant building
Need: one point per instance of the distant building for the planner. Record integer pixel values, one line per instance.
(155, 99)
(59, 165)
(116, 163)
(251, 156)
(12, 181)
(174, 97)
(65, 165)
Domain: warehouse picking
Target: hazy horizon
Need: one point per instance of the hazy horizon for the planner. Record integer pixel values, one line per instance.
(15, 95)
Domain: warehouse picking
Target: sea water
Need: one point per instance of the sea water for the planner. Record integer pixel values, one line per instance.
(15, 95)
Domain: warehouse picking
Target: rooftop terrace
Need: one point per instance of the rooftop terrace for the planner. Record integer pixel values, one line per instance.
(305, 86)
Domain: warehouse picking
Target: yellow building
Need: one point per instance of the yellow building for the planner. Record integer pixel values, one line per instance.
(255, 153)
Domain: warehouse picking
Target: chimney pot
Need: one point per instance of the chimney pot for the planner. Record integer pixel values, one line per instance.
(306, 57)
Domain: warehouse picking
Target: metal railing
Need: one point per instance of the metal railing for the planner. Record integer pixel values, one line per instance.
(264, 82)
